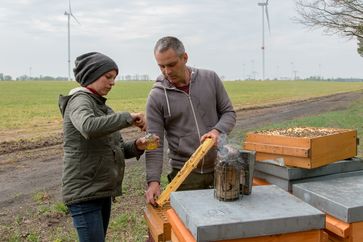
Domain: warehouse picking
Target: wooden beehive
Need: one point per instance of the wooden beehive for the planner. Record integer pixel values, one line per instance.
(155, 217)
(304, 147)
(157, 222)
(340, 231)
(179, 233)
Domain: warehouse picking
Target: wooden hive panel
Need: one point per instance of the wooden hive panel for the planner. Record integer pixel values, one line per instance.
(305, 152)
(157, 222)
(340, 231)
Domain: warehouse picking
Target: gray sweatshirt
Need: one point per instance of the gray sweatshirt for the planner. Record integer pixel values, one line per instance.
(183, 118)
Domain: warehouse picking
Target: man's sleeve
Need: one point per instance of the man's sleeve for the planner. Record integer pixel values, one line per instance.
(225, 110)
(155, 125)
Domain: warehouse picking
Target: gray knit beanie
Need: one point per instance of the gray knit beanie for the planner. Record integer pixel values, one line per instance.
(90, 66)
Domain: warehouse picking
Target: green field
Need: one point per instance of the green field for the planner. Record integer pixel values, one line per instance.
(29, 104)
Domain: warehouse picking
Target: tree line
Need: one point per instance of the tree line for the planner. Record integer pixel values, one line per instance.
(4, 77)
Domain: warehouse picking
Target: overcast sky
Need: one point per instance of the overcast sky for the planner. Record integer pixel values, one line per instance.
(224, 36)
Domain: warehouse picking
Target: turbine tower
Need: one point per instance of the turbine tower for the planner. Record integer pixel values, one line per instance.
(264, 8)
(69, 14)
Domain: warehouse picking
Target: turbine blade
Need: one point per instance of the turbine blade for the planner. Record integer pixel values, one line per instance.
(75, 18)
(266, 2)
(268, 19)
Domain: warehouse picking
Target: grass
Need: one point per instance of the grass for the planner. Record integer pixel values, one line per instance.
(60, 207)
(32, 105)
(252, 93)
(40, 197)
(35, 103)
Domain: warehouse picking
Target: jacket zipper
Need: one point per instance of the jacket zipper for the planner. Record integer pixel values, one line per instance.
(194, 116)
(196, 124)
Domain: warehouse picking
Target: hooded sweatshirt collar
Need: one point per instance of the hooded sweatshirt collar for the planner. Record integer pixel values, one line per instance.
(162, 82)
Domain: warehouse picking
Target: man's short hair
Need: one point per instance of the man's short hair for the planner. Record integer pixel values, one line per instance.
(169, 42)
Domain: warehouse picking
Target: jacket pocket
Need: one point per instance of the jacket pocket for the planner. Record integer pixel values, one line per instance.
(71, 168)
(187, 144)
(119, 160)
(91, 166)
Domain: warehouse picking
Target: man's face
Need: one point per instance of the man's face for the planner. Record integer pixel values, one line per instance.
(172, 65)
(105, 83)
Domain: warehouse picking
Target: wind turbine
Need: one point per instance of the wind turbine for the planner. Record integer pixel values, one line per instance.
(264, 8)
(69, 14)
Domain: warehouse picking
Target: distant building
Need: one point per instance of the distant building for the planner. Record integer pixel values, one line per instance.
(135, 77)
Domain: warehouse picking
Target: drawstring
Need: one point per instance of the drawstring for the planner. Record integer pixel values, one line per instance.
(167, 102)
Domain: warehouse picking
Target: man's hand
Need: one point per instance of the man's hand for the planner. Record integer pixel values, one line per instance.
(213, 134)
(152, 192)
(138, 120)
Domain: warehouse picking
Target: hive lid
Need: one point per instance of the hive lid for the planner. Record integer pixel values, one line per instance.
(287, 184)
(340, 197)
(294, 173)
(268, 210)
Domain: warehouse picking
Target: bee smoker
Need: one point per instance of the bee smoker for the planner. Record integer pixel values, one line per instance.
(227, 174)
(247, 160)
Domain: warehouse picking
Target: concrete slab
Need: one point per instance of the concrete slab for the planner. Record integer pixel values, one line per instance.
(287, 185)
(340, 197)
(294, 173)
(268, 210)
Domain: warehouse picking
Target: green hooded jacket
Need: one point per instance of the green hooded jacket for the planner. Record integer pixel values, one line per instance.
(94, 151)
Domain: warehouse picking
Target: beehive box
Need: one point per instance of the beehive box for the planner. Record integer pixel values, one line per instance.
(157, 222)
(342, 200)
(285, 177)
(180, 233)
(305, 147)
(268, 211)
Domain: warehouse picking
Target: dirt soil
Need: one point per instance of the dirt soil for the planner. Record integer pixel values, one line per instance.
(35, 164)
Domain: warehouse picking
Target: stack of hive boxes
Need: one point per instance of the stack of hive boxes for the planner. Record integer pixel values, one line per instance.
(268, 214)
(309, 162)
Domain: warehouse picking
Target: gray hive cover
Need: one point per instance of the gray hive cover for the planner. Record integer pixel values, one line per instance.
(287, 185)
(294, 173)
(339, 197)
(268, 210)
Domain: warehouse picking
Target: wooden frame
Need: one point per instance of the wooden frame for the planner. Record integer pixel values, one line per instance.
(187, 168)
(260, 182)
(340, 231)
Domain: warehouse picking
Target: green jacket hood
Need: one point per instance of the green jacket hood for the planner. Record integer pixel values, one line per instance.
(63, 100)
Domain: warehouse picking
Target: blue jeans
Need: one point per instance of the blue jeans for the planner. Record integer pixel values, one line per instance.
(91, 219)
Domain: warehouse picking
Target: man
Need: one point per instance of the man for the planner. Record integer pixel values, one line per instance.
(187, 105)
